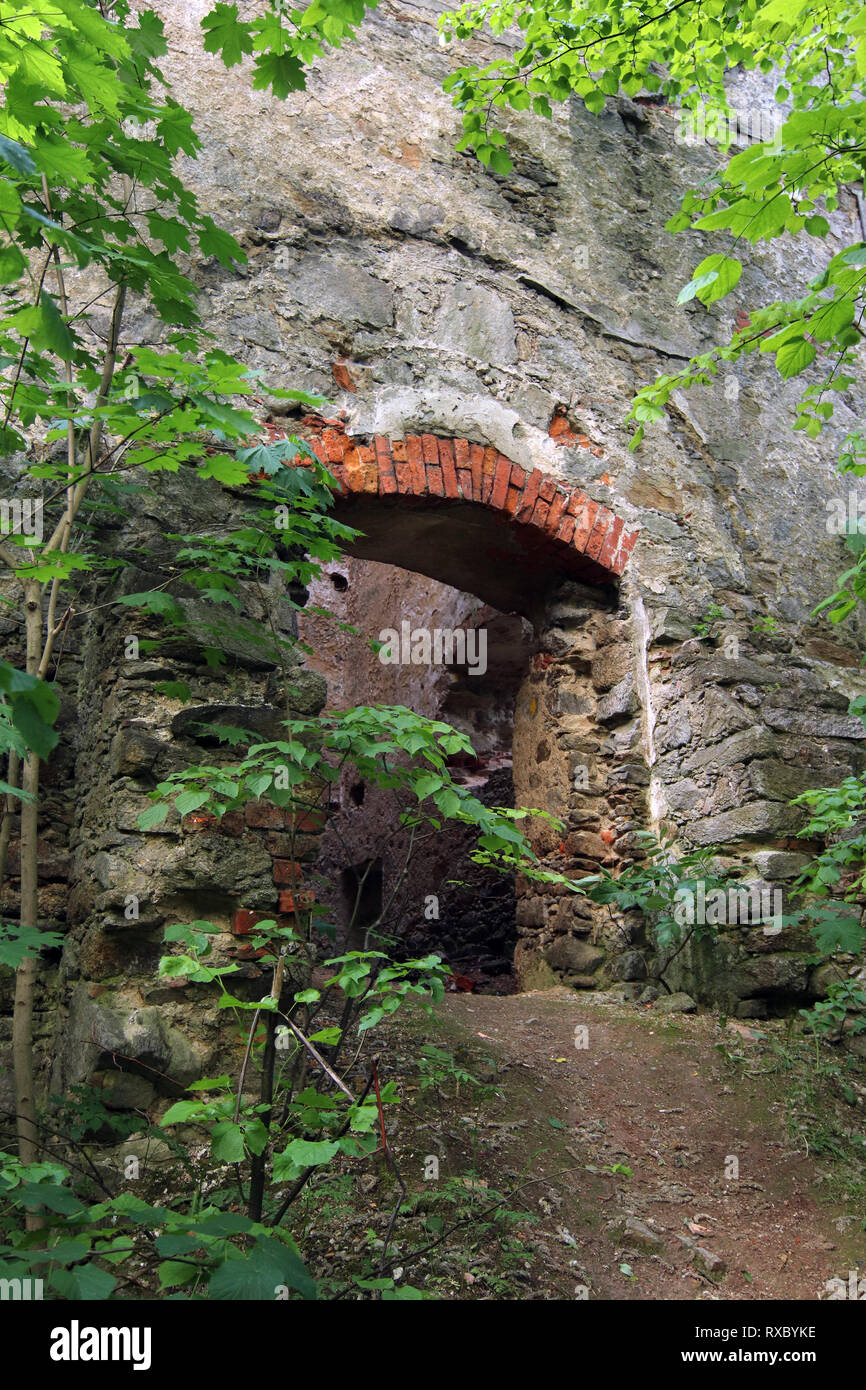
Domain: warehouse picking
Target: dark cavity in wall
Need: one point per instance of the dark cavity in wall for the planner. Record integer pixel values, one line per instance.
(428, 895)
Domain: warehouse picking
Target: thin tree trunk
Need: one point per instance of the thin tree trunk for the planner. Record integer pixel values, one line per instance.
(22, 1026)
(266, 1095)
(259, 1162)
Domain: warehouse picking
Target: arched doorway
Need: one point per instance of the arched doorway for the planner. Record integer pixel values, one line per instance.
(457, 538)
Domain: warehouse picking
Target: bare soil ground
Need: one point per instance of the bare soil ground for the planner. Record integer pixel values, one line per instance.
(651, 1120)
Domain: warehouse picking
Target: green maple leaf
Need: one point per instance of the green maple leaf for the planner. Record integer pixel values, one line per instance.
(213, 241)
(173, 234)
(44, 325)
(148, 40)
(282, 72)
(226, 34)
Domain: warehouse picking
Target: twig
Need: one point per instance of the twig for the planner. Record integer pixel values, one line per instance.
(319, 1058)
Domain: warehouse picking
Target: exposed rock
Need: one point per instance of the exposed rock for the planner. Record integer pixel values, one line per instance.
(569, 954)
(629, 966)
(133, 752)
(776, 974)
(639, 1236)
(649, 995)
(619, 702)
(707, 1260)
(478, 323)
(335, 287)
(679, 1003)
(777, 864)
(531, 969)
(106, 1034)
(746, 822)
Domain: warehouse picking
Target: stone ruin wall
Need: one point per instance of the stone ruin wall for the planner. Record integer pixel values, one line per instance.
(424, 294)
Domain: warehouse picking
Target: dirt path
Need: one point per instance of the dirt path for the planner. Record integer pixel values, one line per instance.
(704, 1142)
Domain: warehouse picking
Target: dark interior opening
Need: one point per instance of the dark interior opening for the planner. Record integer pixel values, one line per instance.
(442, 901)
(362, 888)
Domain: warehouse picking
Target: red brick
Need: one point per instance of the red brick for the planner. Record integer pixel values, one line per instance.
(488, 468)
(464, 482)
(547, 491)
(355, 476)
(608, 550)
(557, 507)
(343, 377)
(287, 901)
(585, 523)
(384, 465)
(319, 450)
(501, 479)
(401, 466)
(577, 502)
(566, 529)
(476, 460)
(461, 453)
(335, 445)
(512, 501)
(263, 816)
(518, 476)
(416, 465)
(281, 844)
(539, 514)
(287, 871)
(341, 476)
(599, 531)
(430, 448)
(626, 545)
(244, 921)
(524, 511)
(369, 473)
(435, 481)
(560, 430)
(449, 469)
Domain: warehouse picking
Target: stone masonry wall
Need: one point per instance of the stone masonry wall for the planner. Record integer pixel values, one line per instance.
(427, 296)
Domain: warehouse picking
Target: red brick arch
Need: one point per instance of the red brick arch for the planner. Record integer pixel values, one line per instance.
(519, 520)
(428, 466)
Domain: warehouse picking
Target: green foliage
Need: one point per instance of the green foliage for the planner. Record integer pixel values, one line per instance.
(86, 1251)
(657, 885)
(439, 1070)
(93, 203)
(30, 708)
(775, 187)
(283, 40)
(389, 747)
(19, 943)
(845, 999)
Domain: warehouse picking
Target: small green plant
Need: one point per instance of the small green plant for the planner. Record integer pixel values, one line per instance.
(663, 884)
(846, 999)
(764, 624)
(705, 625)
(438, 1068)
